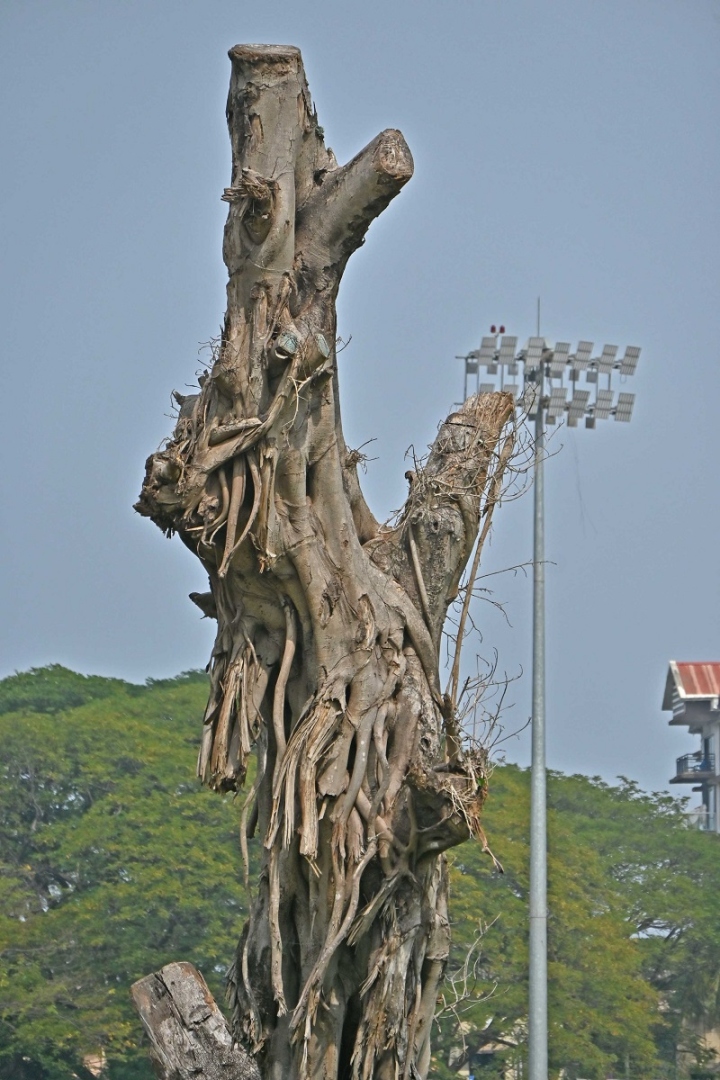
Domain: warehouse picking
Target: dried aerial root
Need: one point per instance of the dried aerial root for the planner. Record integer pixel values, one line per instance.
(233, 721)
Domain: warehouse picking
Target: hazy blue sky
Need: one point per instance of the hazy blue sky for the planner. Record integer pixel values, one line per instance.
(566, 149)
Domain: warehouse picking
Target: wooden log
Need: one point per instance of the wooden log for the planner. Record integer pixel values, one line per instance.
(189, 1036)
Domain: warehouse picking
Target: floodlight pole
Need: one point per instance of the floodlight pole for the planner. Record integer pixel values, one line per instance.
(538, 1008)
(543, 364)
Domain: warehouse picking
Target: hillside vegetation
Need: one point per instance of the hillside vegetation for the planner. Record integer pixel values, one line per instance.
(114, 862)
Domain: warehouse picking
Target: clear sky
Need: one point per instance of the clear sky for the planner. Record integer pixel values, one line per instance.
(567, 149)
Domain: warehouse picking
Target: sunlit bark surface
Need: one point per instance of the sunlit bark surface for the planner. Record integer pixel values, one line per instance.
(325, 664)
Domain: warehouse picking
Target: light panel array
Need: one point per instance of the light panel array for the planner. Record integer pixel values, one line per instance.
(556, 403)
(559, 360)
(603, 404)
(558, 370)
(578, 407)
(583, 355)
(624, 407)
(629, 360)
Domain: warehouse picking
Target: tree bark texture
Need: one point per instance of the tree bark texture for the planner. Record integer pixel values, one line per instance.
(326, 661)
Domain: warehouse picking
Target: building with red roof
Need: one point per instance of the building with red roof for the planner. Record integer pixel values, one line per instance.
(692, 694)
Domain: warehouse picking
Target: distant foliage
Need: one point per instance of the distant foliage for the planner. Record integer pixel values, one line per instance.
(185, 678)
(52, 689)
(113, 862)
(633, 933)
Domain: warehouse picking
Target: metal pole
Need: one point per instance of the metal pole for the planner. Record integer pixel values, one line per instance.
(538, 1011)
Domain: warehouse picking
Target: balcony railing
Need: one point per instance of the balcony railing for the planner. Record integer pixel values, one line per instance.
(697, 766)
(702, 819)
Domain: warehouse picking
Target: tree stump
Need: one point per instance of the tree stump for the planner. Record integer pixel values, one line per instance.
(189, 1035)
(326, 661)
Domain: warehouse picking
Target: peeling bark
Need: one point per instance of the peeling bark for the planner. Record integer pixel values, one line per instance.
(329, 625)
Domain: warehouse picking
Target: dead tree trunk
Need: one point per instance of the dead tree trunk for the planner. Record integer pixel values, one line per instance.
(329, 624)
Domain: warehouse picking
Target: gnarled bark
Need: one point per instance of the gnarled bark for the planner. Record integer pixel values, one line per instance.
(326, 657)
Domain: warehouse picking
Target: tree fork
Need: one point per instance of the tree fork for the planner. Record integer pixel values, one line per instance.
(326, 660)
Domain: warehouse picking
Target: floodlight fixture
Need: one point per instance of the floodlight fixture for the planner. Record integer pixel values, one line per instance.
(578, 404)
(624, 407)
(486, 388)
(556, 401)
(508, 354)
(603, 404)
(488, 348)
(607, 359)
(629, 360)
(577, 407)
(530, 399)
(559, 359)
(471, 364)
(508, 350)
(534, 351)
(582, 356)
(487, 355)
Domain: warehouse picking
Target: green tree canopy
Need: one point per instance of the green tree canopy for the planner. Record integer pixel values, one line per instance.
(54, 688)
(633, 933)
(114, 862)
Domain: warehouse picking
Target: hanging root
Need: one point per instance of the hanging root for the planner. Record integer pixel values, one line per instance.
(281, 684)
(250, 807)
(306, 746)
(257, 494)
(224, 506)
(233, 721)
(237, 494)
(339, 932)
(276, 946)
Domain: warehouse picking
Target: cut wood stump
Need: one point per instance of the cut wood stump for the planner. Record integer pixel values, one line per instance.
(190, 1037)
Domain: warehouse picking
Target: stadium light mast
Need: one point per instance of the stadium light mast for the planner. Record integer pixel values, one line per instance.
(544, 379)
